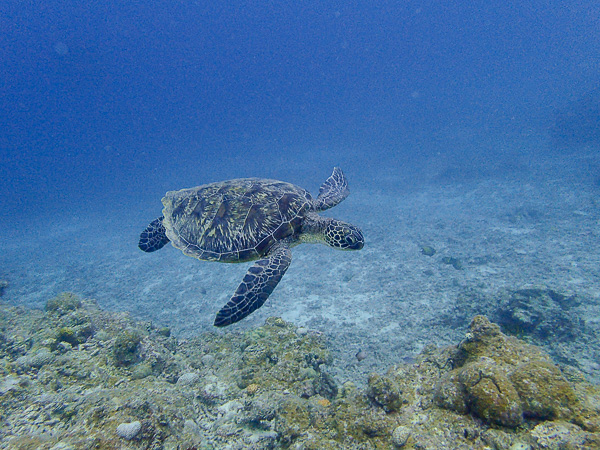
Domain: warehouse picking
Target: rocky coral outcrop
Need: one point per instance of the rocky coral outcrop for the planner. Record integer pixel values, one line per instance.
(490, 380)
(504, 381)
(111, 382)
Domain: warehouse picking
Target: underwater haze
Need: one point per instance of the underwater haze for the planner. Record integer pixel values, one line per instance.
(111, 104)
(469, 134)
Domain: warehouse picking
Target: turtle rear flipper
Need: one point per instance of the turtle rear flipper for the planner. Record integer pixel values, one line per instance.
(332, 191)
(257, 285)
(153, 237)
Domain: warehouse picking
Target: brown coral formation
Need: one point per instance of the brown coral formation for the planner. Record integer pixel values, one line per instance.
(78, 377)
(504, 381)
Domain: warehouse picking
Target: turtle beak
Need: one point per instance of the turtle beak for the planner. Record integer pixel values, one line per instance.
(355, 240)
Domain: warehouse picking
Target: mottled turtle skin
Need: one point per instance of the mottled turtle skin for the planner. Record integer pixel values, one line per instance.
(250, 219)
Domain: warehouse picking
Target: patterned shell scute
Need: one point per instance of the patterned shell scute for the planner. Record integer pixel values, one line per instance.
(235, 220)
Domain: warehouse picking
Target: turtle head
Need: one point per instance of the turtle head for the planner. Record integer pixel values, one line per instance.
(344, 236)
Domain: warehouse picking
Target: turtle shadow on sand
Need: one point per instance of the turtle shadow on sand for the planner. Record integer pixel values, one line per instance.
(251, 219)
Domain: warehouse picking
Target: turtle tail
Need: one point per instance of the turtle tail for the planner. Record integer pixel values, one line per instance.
(154, 236)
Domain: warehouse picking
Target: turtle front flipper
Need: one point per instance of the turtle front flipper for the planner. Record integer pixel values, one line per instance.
(257, 285)
(153, 237)
(332, 191)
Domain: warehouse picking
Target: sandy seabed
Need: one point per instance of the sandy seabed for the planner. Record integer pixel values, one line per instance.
(538, 229)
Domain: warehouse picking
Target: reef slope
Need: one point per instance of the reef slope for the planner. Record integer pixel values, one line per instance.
(74, 376)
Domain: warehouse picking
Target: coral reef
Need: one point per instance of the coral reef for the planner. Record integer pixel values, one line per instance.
(75, 376)
(503, 381)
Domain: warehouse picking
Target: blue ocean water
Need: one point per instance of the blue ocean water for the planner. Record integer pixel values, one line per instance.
(439, 113)
(116, 102)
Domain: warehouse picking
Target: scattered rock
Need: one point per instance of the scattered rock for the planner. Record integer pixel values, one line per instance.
(129, 430)
(207, 360)
(37, 359)
(400, 436)
(361, 355)
(141, 371)
(8, 384)
(452, 261)
(188, 379)
(191, 428)
(428, 251)
(164, 331)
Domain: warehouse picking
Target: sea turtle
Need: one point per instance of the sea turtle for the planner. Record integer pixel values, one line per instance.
(250, 219)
